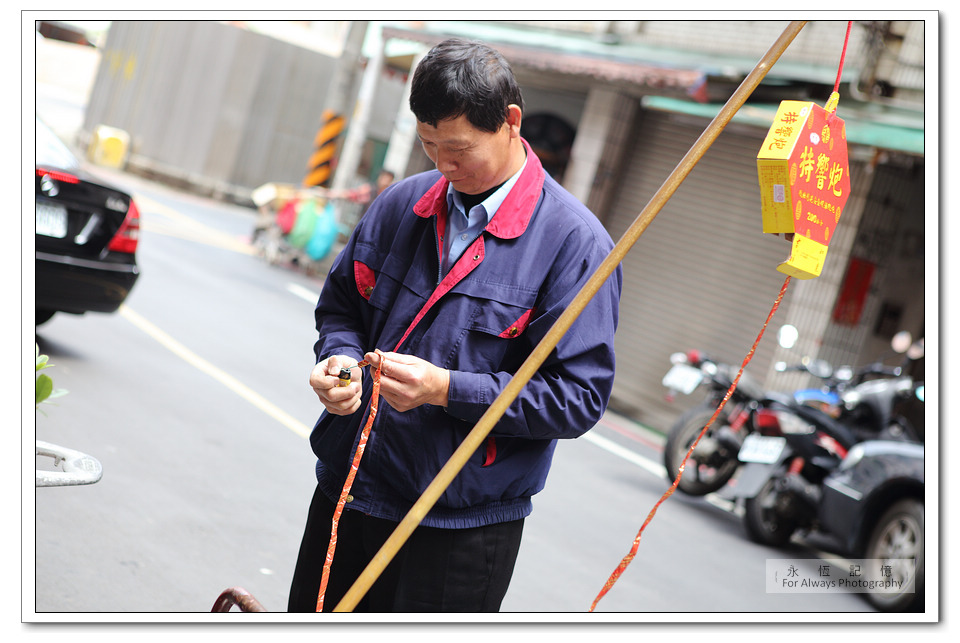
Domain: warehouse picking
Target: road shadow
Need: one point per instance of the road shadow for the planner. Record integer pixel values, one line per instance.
(56, 349)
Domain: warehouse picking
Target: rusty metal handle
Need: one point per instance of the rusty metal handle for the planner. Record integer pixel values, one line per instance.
(239, 597)
(540, 353)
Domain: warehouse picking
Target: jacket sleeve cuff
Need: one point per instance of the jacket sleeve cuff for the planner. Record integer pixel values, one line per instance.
(468, 395)
(348, 351)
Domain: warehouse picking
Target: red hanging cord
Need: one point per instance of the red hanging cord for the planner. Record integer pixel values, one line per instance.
(636, 542)
(345, 492)
(843, 54)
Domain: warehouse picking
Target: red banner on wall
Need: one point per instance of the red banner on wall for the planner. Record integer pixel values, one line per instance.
(853, 293)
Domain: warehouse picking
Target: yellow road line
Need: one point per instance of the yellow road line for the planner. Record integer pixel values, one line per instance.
(187, 228)
(227, 380)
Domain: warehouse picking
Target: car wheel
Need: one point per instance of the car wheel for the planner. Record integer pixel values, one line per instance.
(897, 540)
(43, 316)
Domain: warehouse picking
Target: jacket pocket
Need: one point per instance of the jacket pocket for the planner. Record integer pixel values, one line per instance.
(491, 451)
(376, 286)
(366, 279)
(517, 327)
(500, 319)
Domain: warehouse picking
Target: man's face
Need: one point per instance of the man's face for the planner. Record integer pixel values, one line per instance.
(471, 159)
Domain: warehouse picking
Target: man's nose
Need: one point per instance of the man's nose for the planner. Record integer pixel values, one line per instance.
(445, 162)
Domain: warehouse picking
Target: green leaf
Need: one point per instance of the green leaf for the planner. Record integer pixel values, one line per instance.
(44, 388)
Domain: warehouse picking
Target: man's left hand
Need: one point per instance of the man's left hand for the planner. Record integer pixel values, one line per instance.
(407, 382)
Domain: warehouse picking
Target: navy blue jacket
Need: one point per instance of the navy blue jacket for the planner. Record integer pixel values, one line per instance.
(480, 322)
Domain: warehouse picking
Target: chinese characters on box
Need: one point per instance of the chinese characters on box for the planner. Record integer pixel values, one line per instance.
(804, 182)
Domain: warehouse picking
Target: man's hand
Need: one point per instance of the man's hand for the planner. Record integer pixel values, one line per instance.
(407, 382)
(338, 400)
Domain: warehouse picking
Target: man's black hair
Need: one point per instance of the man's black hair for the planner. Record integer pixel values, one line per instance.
(462, 77)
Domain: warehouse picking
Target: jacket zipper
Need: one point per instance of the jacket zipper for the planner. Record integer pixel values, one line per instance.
(436, 239)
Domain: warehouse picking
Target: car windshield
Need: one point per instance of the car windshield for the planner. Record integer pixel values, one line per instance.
(52, 152)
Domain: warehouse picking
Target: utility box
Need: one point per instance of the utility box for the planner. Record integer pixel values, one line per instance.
(804, 176)
(109, 147)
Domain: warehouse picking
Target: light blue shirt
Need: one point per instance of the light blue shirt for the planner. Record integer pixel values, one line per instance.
(463, 228)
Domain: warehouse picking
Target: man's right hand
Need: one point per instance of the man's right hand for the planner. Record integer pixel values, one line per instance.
(338, 400)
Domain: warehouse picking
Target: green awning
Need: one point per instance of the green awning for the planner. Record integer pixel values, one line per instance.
(868, 126)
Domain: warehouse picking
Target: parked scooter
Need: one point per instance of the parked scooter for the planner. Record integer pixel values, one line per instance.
(866, 407)
(714, 461)
(867, 397)
(781, 481)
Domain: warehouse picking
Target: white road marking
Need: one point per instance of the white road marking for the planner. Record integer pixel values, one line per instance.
(626, 454)
(304, 293)
(650, 466)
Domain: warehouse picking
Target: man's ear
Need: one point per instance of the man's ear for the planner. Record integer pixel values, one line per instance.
(514, 116)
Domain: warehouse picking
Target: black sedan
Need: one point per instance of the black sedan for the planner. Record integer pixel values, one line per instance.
(873, 505)
(86, 235)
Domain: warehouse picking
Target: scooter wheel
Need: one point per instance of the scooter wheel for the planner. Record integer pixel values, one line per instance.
(763, 522)
(709, 467)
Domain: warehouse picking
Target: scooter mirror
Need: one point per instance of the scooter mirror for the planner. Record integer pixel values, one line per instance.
(901, 341)
(787, 336)
(916, 349)
(820, 368)
(843, 373)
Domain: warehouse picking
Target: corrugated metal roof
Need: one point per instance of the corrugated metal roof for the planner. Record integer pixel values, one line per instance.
(889, 130)
(559, 46)
(576, 63)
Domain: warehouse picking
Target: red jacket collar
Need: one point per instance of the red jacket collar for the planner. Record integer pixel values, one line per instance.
(513, 215)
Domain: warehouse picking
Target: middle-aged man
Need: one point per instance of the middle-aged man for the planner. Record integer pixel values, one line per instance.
(455, 275)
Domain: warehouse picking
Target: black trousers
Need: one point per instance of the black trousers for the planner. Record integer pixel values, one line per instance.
(436, 570)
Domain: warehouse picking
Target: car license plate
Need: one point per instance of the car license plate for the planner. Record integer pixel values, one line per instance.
(683, 378)
(51, 220)
(762, 449)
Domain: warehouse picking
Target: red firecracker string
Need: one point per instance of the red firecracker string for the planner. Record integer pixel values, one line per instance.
(345, 492)
(843, 54)
(636, 541)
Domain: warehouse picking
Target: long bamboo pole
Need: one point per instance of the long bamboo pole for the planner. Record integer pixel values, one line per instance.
(540, 353)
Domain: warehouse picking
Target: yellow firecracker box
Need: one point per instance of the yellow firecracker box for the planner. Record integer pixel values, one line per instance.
(804, 182)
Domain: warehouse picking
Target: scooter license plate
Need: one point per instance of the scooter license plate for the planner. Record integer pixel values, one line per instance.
(683, 378)
(762, 449)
